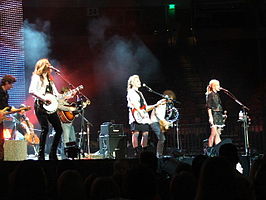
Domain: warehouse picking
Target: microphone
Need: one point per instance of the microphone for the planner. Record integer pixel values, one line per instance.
(223, 89)
(144, 85)
(53, 68)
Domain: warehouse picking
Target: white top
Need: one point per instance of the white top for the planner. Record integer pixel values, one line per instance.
(133, 101)
(37, 87)
(158, 113)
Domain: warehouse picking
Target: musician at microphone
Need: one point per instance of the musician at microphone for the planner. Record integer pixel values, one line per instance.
(139, 119)
(215, 112)
(42, 84)
(159, 123)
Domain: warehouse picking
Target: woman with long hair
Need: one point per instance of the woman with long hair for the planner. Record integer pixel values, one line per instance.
(42, 84)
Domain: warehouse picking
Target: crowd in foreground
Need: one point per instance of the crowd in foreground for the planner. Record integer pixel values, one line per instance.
(206, 178)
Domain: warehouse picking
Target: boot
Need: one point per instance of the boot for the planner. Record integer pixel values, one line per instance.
(52, 154)
(41, 148)
(137, 151)
(159, 150)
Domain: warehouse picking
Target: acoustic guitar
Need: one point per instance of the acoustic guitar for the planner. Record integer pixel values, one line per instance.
(4, 112)
(68, 116)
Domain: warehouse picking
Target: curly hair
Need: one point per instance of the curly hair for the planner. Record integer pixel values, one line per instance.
(8, 78)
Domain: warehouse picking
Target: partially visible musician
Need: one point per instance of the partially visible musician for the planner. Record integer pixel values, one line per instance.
(20, 118)
(23, 128)
(68, 128)
(159, 122)
(7, 82)
(137, 106)
(41, 84)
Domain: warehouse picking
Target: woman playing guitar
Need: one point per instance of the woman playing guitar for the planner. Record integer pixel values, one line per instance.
(41, 85)
(139, 119)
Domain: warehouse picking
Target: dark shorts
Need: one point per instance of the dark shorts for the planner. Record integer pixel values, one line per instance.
(139, 127)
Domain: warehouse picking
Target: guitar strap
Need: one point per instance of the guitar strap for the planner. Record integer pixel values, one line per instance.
(49, 88)
(141, 98)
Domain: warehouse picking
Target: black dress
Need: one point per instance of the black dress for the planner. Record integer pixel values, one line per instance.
(213, 102)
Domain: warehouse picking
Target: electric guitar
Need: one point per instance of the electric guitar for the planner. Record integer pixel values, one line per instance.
(52, 104)
(4, 112)
(145, 115)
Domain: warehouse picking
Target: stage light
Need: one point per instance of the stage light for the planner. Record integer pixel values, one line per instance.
(7, 133)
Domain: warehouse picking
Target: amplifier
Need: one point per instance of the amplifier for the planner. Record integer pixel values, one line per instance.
(107, 128)
(113, 146)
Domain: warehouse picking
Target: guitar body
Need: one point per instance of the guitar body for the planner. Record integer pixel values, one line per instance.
(52, 107)
(32, 138)
(138, 117)
(164, 125)
(66, 116)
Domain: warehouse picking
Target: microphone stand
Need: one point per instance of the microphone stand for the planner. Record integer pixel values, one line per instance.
(164, 96)
(82, 144)
(244, 120)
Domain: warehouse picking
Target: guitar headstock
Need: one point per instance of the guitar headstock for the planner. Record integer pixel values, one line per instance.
(80, 87)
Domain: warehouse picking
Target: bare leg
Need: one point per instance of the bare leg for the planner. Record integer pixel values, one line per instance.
(135, 136)
(212, 136)
(144, 139)
(217, 139)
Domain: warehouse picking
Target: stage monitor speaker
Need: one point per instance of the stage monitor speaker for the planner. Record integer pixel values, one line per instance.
(112, 146)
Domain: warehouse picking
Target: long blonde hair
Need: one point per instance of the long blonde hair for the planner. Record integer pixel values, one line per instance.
(41, 67)
(209, 88)
(130, 81)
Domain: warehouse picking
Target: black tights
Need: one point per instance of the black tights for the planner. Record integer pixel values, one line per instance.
(44, 120)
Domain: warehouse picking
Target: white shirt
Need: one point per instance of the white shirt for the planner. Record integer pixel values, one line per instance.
(133, 98)
(37, 87)
(158, 113)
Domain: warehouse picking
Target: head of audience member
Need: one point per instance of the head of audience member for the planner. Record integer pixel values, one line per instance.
(216, 178)
(104, 188)
(229, 151)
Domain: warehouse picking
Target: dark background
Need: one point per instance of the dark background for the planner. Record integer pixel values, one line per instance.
(99, 44)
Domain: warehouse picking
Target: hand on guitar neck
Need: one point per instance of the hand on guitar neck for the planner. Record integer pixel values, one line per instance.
(161, 102)
(5, 111)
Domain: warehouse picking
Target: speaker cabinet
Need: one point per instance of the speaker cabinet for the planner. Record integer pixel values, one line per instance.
(107, 128)
(113, 146)
(15, 150)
